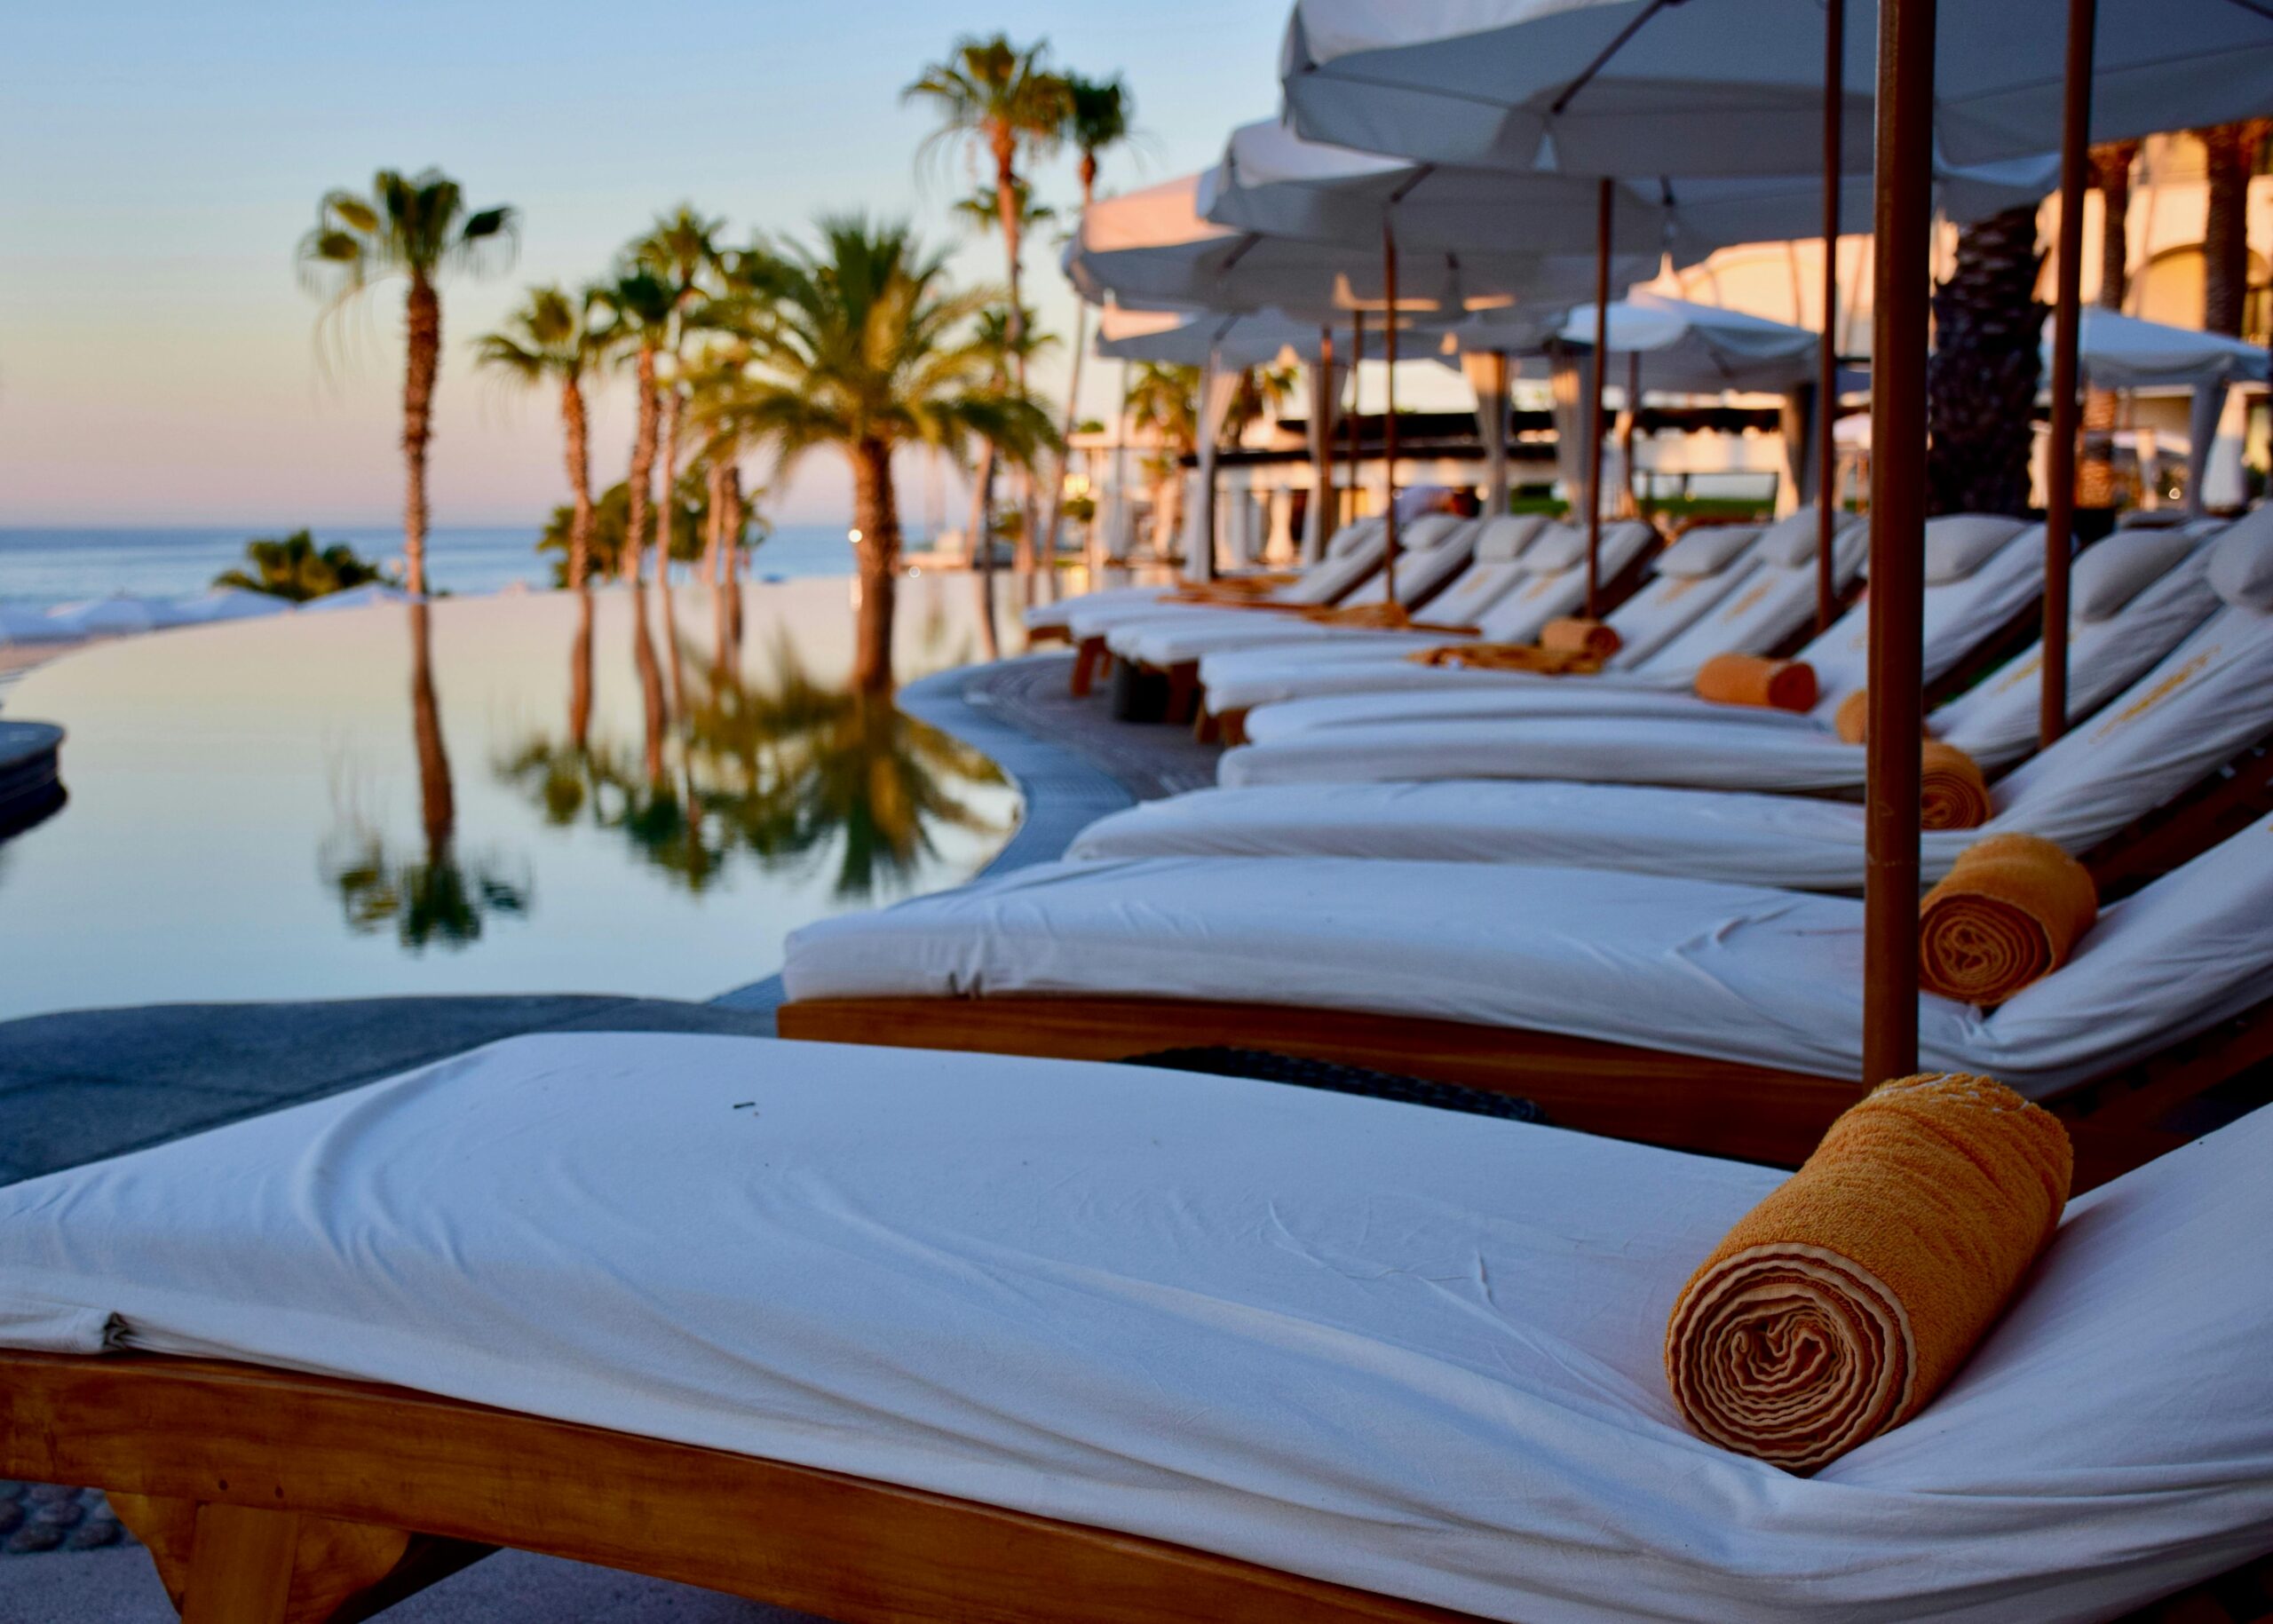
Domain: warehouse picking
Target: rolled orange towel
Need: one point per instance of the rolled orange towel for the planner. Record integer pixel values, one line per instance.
(2011, 910)
(1951, 792)
(1852, 720)
(1748, 679)
(1575, 635)
(1844, 1301)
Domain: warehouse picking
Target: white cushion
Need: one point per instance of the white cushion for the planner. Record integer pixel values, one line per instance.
(1706, 550)
(2110, 574)
(2241, 562)
(1506, 538)
(1351, 534)
(1790, 540)
(1962, 543)
(1557, 547)
(1428, 531)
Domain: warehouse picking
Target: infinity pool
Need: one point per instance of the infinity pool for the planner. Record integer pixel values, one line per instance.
(303, 807)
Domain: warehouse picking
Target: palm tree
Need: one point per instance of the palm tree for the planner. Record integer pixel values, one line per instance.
(640, 305)
(293, 568)
(1980, 380)
(2111, 174)
(1165, 400)
(2231, 151)
(682, 251)
(867, 350)
(1100, 115)
(550, 339)
(416, 226)
(1016, 341)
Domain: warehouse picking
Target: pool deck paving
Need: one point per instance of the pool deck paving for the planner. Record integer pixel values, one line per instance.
(81, 1085)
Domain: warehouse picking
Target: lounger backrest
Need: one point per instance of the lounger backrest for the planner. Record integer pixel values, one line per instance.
(1560, 588)
(1332, 578)
(2202, 705)
(1996, 721)
(1508, 537)
(1961, 614)
(1351, 536)
(1673, 597)
(1773, 602)
(1431, 551)
(1483, 583)
(2191, 949)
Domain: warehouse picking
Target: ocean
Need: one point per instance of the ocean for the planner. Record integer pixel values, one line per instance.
(42, 567)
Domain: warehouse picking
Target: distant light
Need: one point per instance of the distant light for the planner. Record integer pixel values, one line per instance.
(854, 537)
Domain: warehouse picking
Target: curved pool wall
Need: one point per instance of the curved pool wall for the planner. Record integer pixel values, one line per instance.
(345, 805)
(30, 789)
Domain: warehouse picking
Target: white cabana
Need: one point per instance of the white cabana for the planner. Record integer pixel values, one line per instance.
(20, 625)
(228, 603)
(2118, 351)
(107, 617)
(1682, 348)
(358, 597)
(1641, 87)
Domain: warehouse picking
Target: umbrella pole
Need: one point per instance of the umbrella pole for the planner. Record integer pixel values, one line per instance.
(1323, 517)
(2060, 463)
(1826, 388)
(1593, 403)
(1388, 404)
(1902, 237)
(1357, 354)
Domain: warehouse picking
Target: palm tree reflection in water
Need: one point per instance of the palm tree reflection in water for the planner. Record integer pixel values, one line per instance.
(435, 900)
(783, 769)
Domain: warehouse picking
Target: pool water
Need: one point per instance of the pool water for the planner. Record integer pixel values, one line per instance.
(307, 807)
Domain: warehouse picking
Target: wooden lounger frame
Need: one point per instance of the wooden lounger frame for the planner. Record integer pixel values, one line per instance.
(1719, 1108)
(268, 1497)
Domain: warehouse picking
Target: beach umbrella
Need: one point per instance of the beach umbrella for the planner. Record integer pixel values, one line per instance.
(1735, 87)
(20, 625)
(2118, 351)
(122, 616)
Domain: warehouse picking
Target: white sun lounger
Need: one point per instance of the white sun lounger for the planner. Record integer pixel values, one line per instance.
(1410, 1351)
(2199, 707)
(1434, 549)
(1756, 602)
(1352, 553)
(1605, 736)
(1763, 976)
(1982, 586)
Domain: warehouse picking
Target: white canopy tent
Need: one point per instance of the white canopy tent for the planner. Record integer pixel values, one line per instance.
(1735, 87)
(2118, 351)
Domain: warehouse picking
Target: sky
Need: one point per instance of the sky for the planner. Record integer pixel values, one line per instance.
(160, 162)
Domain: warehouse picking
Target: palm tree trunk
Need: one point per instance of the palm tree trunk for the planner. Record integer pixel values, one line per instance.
(875, 514)
(651, 682)
(437, 800)
(1066, 452)
(1982, 377)
(730, 552)
(982, 544)
(576, 432)
(422, 358)
(2225, 240)
(580, 674)
(643, 469)
(715, 516)
(667, 496)
(1006, 209)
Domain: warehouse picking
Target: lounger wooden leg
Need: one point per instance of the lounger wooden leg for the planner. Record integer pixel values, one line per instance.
(1184, 692)
(1232, 725)
(240, 1566)
(1207, 727)
(1085, 667)
(333, 1572)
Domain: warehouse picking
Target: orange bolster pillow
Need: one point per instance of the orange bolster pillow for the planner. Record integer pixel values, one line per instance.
(1951, 792)
(1573, 635)
(1852, 720)
(1749, 680)
(2011, 910)
(1840, 1305)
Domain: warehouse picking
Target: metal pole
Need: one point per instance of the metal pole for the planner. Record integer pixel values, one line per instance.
(2060, 464)
(1593, 404)
(1902, 238)
(1827, 387)
(1388, 404)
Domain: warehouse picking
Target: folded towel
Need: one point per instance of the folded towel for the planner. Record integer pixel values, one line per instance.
(1509, 657)
(2011, 910)
(1389, 617)
(1573, 634)
(1748, 679)
(1951, 792)
(1845, 1300)
(1852, 720)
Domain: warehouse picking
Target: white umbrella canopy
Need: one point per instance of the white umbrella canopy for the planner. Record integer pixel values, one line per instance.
(1152, 248)
(1272, 180)
(355, 597)
(2124, 352)
(228, 603)
(1680, 348)
(118, 616)
(1236, 339)
(1735, 87)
